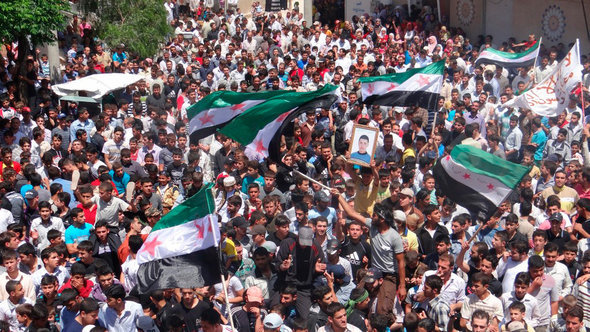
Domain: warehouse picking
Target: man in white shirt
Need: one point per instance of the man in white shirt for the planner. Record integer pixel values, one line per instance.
(51, 267)
(118, 314)
(8, 307)
(149, 146)
(511, 266)
(557, 270)
(10, 263)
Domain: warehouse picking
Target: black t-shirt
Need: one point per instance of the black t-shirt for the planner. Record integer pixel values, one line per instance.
(355, 252)
(357, 318)
(192, 316)
(92, 267)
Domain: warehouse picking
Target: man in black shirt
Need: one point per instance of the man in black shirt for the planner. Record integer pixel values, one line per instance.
(354, 248)
(191, 309)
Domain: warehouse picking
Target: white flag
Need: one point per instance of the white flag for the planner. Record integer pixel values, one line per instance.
(551, 96)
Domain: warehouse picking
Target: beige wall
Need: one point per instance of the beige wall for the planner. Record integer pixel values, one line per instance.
(518, 18)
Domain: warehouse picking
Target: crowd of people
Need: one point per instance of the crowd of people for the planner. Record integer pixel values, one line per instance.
(341, 248)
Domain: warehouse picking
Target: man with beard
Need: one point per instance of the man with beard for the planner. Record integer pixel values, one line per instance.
(386, 248)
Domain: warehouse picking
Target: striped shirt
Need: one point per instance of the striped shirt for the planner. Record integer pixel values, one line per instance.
(582, 293)
(491, 304)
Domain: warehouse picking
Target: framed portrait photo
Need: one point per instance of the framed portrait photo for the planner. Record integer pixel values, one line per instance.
(363, 143)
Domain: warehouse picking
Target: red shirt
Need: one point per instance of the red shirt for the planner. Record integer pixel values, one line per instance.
(84, 291)
(15, 166)
(89, 214)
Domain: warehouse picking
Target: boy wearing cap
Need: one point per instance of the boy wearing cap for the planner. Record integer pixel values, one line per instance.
(249, 316)
(555, 234)
(272, 322)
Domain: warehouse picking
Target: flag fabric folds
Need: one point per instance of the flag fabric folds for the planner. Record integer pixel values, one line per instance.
(259, 128)
(181, 249)
(477, 180)
(415, 87)
(551, 96)
(218, 108)
(507, 59)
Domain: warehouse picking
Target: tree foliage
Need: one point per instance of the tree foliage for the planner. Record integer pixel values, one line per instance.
(34, 19)
(139, 24)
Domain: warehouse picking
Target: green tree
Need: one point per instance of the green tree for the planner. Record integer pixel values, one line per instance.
(31, 21)
(139, 24)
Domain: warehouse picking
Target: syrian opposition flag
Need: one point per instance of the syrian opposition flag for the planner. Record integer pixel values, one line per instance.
(414, 87)
(218, 108)
(507, 59)
(181, 249)
(477, 180)
(259, 128)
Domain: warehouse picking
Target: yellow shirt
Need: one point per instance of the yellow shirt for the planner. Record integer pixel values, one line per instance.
(382, 193)
(229, 249)
(409, 152)
(411, 238)
(567, 196)
(365, 197)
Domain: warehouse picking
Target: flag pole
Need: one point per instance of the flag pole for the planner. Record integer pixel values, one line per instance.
(583, 105)
(312, 180)
(223, 285)
(538, 51)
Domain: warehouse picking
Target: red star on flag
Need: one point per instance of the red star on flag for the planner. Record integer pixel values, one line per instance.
(448, 157)
(206, 118)
(260, 148)
(490, 186)
(283, 116)
(370, 88)
(150, 247)
(423, 80)
(238, 108)
(392, 86)
(466, 176)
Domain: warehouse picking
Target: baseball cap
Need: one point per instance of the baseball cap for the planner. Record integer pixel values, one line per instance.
(229, 181)
(239, 222)
(31, 193)
(407, 192)
(258, 230)
(372, 275)
(552, 157)
(399, 215)
(556, 217)
(146, 324)
(272, 321)
(270, 246)
(61, 116)
(321, 196)
(339, 272)
(305, 236)
(254, 294)
(333, 246)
